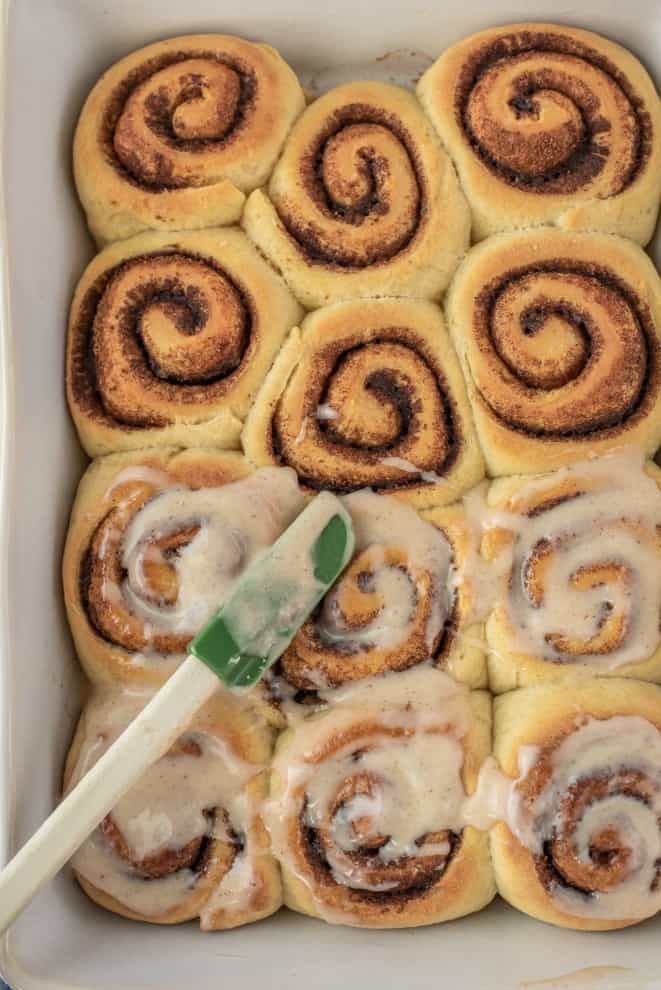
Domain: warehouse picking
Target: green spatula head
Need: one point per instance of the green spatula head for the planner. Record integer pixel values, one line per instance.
(258, 621)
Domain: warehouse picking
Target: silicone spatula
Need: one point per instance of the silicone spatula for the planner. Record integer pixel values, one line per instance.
(252, 628)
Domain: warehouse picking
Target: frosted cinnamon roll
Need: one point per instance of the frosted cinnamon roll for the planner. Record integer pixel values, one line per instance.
(187, 840)
(369, 394)
(155, 543)
(580, 840)
(174, 135)
(170, 336)
(559, 338)
(580, 554)
(404, 600)
(363, 202)
(549, 124)
(366, 810)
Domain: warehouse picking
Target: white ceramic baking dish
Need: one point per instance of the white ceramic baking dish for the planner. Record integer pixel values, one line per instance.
(53, 50)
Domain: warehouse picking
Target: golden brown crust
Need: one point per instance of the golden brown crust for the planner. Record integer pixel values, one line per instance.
(542, 716)
(510, 667)
(170, 336)
(173, 135)
(387, 369)
(463, 647)
(363, 201)
(106, 635)
(248, 740)
(549, 124)
(560, 342)
(425, 892)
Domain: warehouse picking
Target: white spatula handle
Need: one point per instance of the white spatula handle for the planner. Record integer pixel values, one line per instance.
(145, 740)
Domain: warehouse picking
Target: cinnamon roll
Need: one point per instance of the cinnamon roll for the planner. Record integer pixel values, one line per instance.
(559, 338)
(404, 600)
(369, 393)
(187, 840)
(170, 336)
(156, 541)
(363, 202)
(366, 809)
(580, 840)
(549, 124)
(579, 553)
(174, 135)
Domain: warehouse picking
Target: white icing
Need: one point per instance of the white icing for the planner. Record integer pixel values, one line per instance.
(597, 748)
(235, 523)
(416, 696)
(600, 748)
(612, 523)
(490, 801)
(597, 532)
(300, 436)
(411, 796)
(379, 522)
(402, 464)
(487, 579)
(416, 774)
(324, 411)
(381, 692)
(143, 474)
(165, 810)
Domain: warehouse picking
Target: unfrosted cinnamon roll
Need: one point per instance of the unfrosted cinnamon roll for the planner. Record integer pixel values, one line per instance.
(559, 336)
(156, 541)
(363, 202)
(366, 812)
(170, 336)
(369, 394)
(174, 135)
(404, 600)
(187, 840)
(549, 124)
(580, 554)
(580, 843)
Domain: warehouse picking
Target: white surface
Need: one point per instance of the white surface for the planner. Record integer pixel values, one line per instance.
(57, 48)
(144, 741)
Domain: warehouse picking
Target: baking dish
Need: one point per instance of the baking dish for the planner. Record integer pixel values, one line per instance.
(52, 52)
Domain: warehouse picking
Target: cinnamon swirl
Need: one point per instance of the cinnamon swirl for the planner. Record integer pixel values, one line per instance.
(369, 393)
(580, 554)
(559, 336)
(405, 599)
(580, 840)
(187, 840)
(549, 124)
(366, 813)
(174, 135)
(363, 202)
(156, 541)
(170, 336)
